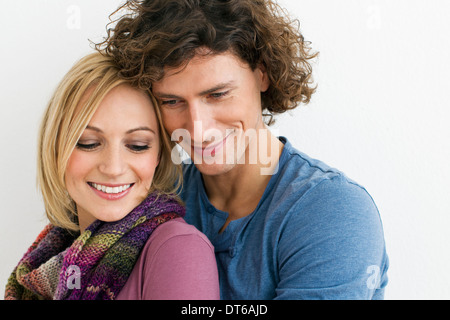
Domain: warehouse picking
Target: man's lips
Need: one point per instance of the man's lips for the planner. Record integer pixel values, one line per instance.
(209, 150)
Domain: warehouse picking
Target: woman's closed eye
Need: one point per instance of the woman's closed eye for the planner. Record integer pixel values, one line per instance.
(93, 145)
(88, 145)
(138, 147)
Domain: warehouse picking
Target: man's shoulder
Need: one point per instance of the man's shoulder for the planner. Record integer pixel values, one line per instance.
(304, 184)
(299, 174)
(298, 166)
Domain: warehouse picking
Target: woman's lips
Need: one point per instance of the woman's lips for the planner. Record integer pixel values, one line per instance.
(111, 191)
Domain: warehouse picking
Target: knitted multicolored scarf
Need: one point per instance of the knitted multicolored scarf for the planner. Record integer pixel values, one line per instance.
(96, 264)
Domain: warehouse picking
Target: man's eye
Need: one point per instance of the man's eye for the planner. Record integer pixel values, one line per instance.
(169, 102)
(87, 146)
(218, 95)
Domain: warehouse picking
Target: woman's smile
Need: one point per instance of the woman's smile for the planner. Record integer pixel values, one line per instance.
(111, 191)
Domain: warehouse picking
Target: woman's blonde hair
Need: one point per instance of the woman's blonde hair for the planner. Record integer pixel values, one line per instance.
(65, 119)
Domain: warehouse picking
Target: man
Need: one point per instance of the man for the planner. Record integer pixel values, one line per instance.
(284, 226)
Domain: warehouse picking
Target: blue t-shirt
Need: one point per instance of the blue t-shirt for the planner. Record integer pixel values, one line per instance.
(315, 234)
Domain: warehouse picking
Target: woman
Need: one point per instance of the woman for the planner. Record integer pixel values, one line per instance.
(116, 229)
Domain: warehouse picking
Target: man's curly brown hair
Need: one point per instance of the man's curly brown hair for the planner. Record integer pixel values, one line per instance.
(154, 34)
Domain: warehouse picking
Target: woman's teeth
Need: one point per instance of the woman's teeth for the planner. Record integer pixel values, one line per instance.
(106, 189)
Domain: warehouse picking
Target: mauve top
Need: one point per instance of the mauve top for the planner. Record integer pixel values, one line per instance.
(176, 263)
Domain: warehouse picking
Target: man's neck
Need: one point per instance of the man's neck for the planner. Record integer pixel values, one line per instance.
(239, 190)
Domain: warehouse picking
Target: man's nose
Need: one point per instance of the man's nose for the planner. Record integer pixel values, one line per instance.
(200, 121)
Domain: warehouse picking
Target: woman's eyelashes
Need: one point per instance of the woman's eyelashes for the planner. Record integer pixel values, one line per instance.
(138, 147)
(135, 147)
(87, 145)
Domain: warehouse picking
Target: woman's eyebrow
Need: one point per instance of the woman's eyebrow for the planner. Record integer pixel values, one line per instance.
(143, 128)
(140, 129)
(94, 128)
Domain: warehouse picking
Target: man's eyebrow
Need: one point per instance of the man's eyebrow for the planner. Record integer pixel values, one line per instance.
(220, 86)
(161, 95)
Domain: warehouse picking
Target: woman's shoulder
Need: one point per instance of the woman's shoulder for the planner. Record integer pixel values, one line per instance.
(176, 230)
(177, 262)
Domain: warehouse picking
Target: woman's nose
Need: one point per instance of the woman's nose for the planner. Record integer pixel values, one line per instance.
(112, 162)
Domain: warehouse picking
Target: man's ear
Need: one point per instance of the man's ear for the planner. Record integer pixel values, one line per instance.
(263, 77)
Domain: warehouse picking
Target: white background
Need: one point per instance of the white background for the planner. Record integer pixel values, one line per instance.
(380, 115)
